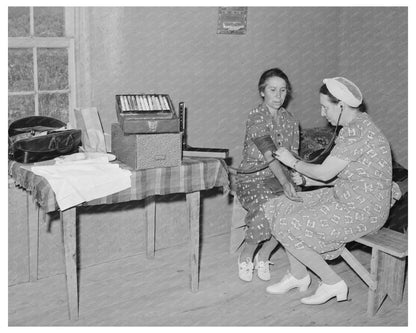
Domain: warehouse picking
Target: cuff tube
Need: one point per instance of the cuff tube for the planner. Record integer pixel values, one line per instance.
(264, 144)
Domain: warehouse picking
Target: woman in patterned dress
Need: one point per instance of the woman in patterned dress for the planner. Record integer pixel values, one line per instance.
(360, 169)
(268, 126)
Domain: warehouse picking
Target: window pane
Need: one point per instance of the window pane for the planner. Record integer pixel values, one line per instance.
(53, 69)
(21, 106)
(49, 21)
(54, 105)
(20, 70)
(19, 21)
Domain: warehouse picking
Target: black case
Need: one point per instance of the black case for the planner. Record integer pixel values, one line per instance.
(25, 146)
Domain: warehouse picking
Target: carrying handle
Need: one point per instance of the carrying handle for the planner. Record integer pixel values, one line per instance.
(52, 144)
(60, 146)
(67, 146)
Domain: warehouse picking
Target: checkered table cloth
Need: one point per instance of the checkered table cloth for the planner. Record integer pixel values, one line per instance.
(191, 176)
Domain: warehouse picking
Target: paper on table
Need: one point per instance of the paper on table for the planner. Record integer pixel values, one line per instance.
(88, 120)
(79, 181)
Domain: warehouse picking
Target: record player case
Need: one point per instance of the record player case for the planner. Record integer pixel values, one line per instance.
(146, 113)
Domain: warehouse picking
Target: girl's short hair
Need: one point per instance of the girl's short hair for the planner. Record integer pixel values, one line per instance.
(276, 72)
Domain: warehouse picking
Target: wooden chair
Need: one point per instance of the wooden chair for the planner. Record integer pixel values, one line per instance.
(387, 267)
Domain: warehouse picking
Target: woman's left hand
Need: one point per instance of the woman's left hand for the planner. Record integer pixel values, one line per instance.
(298, 179)
(290, 192)
(285, 156)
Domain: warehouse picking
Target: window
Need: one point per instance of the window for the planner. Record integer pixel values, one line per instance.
(41, 61)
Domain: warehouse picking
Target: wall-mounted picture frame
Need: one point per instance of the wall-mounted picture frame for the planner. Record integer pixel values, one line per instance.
(232, 20)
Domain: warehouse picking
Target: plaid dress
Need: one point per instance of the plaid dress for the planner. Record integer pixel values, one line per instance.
(253, 190)
(358, 204)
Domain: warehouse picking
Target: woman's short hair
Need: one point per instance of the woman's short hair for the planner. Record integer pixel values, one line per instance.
(324, 91)
(276, 72)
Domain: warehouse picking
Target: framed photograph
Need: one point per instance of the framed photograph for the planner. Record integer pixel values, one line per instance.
(232, 20)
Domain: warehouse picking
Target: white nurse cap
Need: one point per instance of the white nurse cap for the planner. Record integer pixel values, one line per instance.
(344, 90)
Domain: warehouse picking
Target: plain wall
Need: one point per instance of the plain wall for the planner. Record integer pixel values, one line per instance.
(177, 51)
(374, 52)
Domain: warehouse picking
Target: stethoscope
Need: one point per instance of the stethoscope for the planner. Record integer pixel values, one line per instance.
(266, 165)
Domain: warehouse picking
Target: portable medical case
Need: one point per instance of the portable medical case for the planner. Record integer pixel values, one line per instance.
(146, 113)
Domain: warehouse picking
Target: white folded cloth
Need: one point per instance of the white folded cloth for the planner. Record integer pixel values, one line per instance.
(78, 181)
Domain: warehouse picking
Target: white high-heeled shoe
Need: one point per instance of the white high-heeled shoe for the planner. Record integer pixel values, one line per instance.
(289, 282)
(262, 267)
(326, 291)
(245, 269)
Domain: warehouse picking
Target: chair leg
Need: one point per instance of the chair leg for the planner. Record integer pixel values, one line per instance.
(358, 268)
(389, 272)
(237, 230)
(391, 277)
(372, 292)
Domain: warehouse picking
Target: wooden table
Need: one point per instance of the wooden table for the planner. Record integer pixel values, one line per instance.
(191, 177)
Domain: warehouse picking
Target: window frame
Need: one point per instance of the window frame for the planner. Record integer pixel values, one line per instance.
(66, 42)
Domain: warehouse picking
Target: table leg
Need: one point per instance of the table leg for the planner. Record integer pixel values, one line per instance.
(33, 227)
(150, 213)
(193, 202)
(68, 219)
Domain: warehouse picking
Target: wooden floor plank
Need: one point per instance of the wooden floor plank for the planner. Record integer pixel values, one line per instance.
(137, 291)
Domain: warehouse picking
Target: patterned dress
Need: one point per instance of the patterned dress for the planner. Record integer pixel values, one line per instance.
(358, 204)
(255, 189)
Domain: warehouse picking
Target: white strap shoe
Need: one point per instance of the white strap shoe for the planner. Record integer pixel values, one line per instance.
(326, 291)
(245, 269)
(262, 267)
(289, 282)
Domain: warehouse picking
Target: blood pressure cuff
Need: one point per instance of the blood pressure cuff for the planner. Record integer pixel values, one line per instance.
(264, 143)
